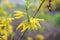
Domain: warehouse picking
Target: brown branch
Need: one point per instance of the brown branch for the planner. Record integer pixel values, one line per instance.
(38, 8)
(50, 5)
(23, 34)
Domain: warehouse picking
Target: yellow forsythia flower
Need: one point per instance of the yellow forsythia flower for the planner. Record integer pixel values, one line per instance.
(24, 28)
(10, 28)
(32, 24)
(19, 26)
(23, 25)
(9, 20)
(5, 37)
(40, 37)
(5, 27)
(29, 38)
(35, 22)
(18, 14)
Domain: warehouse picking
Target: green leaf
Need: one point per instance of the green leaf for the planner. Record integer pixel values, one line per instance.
(28, 3)
(6, 28)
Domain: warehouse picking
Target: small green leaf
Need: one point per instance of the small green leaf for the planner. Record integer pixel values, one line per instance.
(28, 3)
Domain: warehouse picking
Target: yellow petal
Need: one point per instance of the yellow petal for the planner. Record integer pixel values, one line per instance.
(40, 36)
(18, 12)
(10, 30)
(17, 17)
(5, 37)
(38, 24)
(21, 24)
(32, 25)
(10, 20)
(29, 38)
(24, 28)
(36, 27)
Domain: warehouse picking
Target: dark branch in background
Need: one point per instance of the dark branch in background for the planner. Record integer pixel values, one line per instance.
(33, 17)
(49, 6)
(38, 8)
(22, 35)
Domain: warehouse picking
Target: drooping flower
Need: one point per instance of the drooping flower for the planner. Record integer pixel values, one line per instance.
(23, 25)
(33, 24)
(40, 37)
(4, 37)
(5, 27)
(29, 38)
(19, 14)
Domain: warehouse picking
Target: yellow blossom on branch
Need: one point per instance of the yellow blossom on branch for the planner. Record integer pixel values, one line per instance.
(23, 25)
(4, 37)
(33, 24)
(29, 38)
(18, 14)
(40, 37)
(5, 27)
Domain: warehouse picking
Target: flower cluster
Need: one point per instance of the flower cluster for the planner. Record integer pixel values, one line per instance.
(33, 23)
(5, 26)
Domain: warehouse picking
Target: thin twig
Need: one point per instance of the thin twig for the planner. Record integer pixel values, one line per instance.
(38, 8)
(28, 20)
(23, 34)
(49, 6)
